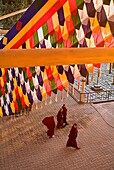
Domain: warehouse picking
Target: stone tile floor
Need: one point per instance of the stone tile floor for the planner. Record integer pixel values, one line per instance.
(24, 145)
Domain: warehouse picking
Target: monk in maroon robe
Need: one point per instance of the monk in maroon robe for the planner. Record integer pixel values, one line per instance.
(50, 123)
(72, 137)
(60, 118)
(64, 114)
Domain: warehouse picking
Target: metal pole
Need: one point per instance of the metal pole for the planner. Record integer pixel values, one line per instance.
(113, 73)
(110, 68)
(87, 78)
(112, 65)
(112, 78)
(98, 75)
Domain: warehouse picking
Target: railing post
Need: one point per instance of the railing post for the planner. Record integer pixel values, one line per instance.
(110, 69)
(83, 90)
(113, 79)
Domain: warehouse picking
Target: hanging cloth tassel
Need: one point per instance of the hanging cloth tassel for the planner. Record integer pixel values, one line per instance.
(36, 106)
(46, 101)
(41, 105)
(68, 91)
(73, 89)
(50, 102)
(56, 98)
(1, 113)
(33, 107)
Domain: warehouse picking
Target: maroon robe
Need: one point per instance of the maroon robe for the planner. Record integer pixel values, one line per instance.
(60, 119)
(50, 123)
(64, 114)
(72, 137)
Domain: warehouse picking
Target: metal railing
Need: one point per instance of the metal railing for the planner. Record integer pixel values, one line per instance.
(91, 96)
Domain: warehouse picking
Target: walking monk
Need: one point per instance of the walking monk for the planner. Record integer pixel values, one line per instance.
(64, 114)
(72, 137)
(50, 123)
(60, 118)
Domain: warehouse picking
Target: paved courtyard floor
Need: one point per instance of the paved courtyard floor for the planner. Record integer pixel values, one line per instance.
(24, 144)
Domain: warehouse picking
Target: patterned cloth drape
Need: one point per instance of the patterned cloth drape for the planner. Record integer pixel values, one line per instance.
(65, 24)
